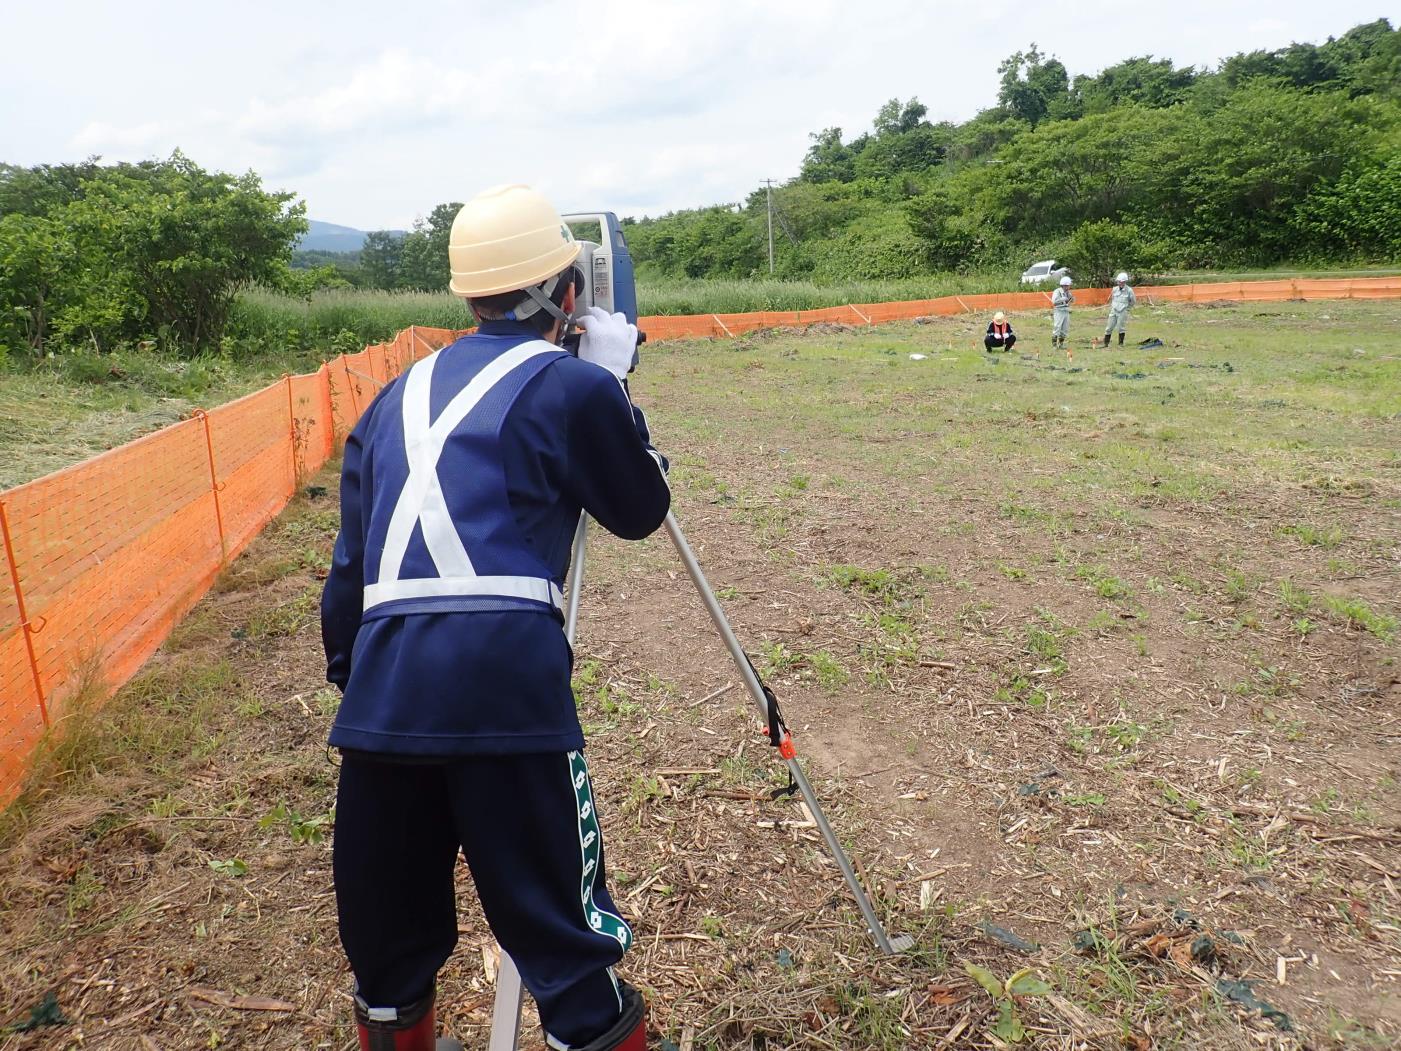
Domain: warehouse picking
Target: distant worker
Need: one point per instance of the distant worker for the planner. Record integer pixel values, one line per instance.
(1121, 301)
(1061, 299)
(999, 335)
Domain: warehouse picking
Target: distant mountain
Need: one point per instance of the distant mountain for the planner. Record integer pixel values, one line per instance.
(328, 237)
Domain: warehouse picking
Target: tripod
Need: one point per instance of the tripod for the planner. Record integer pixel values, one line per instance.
(506, 1014)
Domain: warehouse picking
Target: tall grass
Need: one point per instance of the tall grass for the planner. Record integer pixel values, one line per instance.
(345, 320)
(337, 321)
(333, 322)
(733, 296)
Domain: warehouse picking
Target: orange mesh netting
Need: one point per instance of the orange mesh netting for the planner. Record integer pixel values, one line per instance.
(102, 559)
(106, 556)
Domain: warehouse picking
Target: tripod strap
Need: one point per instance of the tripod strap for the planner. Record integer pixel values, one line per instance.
(777, 730)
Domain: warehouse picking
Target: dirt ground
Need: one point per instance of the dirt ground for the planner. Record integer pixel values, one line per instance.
(1093, 664)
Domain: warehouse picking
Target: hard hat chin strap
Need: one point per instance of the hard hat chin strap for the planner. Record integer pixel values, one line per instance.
(545, 303)
(538, 297)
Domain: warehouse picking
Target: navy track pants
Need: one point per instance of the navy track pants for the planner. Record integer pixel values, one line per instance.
(528, 829)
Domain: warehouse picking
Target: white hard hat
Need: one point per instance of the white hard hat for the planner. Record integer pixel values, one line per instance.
(1066, 280)
(1122, 277)
(507, 239)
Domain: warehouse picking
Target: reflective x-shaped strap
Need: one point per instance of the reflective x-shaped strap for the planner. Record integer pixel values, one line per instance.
(422, 500)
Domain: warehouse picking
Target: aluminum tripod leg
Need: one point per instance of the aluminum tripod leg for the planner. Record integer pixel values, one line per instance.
(506, 1015)
(756, 691)
(510, 994)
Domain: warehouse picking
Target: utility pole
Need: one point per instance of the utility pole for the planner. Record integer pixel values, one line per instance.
(768, 184)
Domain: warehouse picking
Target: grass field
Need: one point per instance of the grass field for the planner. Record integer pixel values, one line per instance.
(1094, 664)
(74, 405)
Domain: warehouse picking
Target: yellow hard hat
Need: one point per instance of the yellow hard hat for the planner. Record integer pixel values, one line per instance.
(505, 239)
(999, 316)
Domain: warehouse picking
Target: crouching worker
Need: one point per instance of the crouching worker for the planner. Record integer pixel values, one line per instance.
(443, 625)
(1121, 301)
(999, 334)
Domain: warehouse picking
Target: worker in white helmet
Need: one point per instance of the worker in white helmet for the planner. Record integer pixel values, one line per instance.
(1061, 299)
(1121, 301)
(443, 625)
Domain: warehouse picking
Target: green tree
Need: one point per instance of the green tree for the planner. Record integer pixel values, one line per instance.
(1274, 155)
(983, 136)
(381, 258)
(1144, 81)
(1370, 56)
(424, 252)
(1034, 87)
(33, 260)
(345, 264)
(895, 118)
(1359, 215)
(1226, 188)
(38, 190)
(828, 159)
(99, 255)
(949, 237)
(304, 280)
(1363, 61)
(187, 240)
(880, 247)
(1050, 180)
(1099, 250)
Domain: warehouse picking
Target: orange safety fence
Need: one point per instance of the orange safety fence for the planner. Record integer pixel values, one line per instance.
(102, 559)
(700, 326)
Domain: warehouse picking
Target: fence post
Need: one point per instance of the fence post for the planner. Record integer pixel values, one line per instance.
(329, 405)
(25, 625)
(354, 401)
(292, 431)
(214, 486)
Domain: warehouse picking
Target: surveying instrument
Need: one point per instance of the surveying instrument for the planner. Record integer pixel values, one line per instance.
(609, 283)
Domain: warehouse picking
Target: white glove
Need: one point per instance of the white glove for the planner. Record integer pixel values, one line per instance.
(608, 340)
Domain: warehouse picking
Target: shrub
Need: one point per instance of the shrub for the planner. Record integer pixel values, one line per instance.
(1097, 251)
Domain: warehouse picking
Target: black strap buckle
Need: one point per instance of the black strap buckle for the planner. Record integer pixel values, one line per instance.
(777, 731)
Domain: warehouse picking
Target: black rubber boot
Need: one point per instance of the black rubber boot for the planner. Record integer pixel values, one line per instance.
(1121, 340)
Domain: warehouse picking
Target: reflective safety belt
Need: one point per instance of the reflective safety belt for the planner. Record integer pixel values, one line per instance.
(422, 502)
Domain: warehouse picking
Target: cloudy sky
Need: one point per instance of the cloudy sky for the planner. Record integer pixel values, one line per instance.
(375, 112)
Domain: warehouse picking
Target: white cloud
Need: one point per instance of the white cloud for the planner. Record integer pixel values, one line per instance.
(375, 115)
(101, 137)
(392, 89)
(1269, 28)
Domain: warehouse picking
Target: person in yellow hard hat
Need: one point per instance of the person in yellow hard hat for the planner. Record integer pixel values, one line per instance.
(999, 335)
(442, 620)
